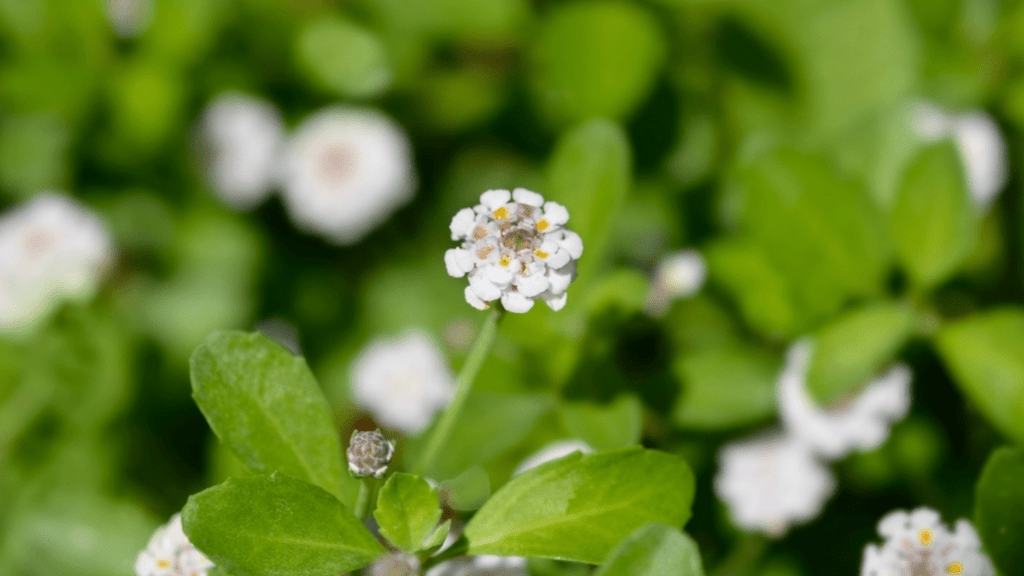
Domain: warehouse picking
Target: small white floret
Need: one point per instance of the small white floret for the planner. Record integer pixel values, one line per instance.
(169, 553)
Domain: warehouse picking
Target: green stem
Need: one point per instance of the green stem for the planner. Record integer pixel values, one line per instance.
(743, 557)
(464, 383)
(364, 499)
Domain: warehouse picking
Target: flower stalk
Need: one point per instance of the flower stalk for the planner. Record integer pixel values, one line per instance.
(464, 384)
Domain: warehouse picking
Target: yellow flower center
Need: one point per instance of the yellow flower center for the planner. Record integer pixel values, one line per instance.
(163, 563)
(501, 213)
(540, 254)
(484, 252)
(955, 568)
(925, 536)
(505, 260)
(543, 224)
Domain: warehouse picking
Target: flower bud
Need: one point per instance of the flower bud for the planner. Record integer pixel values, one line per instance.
(369, 453)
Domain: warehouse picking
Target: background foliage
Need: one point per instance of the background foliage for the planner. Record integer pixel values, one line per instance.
(774, 135)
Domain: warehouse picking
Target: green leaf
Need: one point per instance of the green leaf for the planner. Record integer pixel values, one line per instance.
(934, 221)
(654, 550)
(277, 526)
(490, 425)
(467, 491)
(264, 403)
(608, 427)
(579, 507)
(998, 501)
(986, 355)
(408, 511)
(850, 350)
(765, 296)
(344, 57)
(819, 228)
(437, 537)
(595, 59)
(724, 387)
(589, 173)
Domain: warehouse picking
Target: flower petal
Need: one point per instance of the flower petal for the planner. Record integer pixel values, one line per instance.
(532, 285)
(516, 302)
(458, 262)
(572, 242)
(524, 196)
(484, 288)
(462, 224)
(474, 301)
(492, 199)
(555, 213)
(556, 303)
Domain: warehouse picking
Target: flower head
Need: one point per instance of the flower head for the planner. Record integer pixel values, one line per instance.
(772, 483)
(50, 248)
(919, 544)
(679, 275)
(345, 171)
(169, 553)
(243, 136)
(369, 453)
(861, 423)
(403, 382)
(515, 248)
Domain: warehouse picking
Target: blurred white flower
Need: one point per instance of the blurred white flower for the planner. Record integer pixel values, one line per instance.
(345, 171)
(980, 143)
(919, 544)
(772, 483)
(169, 553)
(51, 248)
(128, 18)
(395, 564)
(515, 248)
(243, 136)
(679, 275)
(403, 382)
(485, 565)
(552, 451)
(861, 423)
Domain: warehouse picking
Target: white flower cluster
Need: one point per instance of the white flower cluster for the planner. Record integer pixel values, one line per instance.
(679, 275)
(51, 248)
(515, 248)
(980, 143)
(919, 544)
(341, 174)
(403, 382)
(169, 553)
(484, 565)
(773, 482)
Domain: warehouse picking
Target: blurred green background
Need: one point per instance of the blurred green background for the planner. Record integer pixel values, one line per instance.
(779, 137)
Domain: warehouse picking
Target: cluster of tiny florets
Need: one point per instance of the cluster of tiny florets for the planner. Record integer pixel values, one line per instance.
(369, 453)
(515, 248)
(917, 543)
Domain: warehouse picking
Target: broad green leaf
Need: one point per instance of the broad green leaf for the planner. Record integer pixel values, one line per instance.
(265, 404)
(490, 424)
(605, 427)
(934, 222)
(344, 57)
(467, 491)
(765, 296)
(998, 501)
(589, 173)
(594, 59)
(654, 550)
(986, 356)
(408, 511)
(724, 387)
(818, 227)
(277, 526)
(848, 351)
(579, 507)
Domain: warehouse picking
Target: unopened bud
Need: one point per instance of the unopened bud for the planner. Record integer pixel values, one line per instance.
(369, 453)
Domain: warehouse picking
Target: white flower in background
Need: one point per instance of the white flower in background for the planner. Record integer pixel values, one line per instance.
(128, 18)
(243, 136)
(679, 275)
(772, 483)
(515, 248)
(345, 171)
(919, 544)
(485, 565)
(403, 382)
(980, 143)
(396, 564)
(553, 451)
(51, 248)
(169, 553)
(861, 423)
